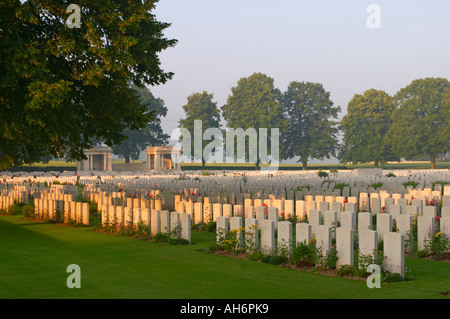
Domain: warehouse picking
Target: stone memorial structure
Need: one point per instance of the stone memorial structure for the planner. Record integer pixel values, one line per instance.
(99, 158)
(161, 158)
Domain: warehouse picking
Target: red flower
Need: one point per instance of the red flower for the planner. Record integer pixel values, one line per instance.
(438, 218)
(383, 208)
(264, 205)
(345, 202)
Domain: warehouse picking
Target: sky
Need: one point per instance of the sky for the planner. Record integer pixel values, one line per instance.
(323, 41)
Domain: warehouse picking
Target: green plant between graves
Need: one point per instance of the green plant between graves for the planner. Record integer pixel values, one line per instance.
(376, 185)
(274, 258)
(363, 262)
(28, 211)
(410, 183)
(437, 246)
(322, 174)
(326, 260)
(12, 210)
(172, 237)
(303, 254)
(340, 187)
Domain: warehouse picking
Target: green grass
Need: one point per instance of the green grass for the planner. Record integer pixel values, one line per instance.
(53, 164)
(34, 258)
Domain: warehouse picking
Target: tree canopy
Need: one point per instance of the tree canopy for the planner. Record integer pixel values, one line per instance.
(367, 121)
(421, 119)
(150, 135)
(254, 103)
(62, 87)
(312, 129)
(200, 107)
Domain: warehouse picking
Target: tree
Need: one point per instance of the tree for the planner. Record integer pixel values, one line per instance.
(200, 107)
(151, 135)
(421, 119)
(254, 103)
(62, 87)
(311, 132)
(367, 121)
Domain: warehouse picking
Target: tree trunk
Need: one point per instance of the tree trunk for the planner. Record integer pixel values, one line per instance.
(257, 168)
(127, 160)
(305, 164)
(433, 162)
(375, 164)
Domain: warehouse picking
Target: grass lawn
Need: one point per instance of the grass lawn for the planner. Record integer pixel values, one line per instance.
(34, 258)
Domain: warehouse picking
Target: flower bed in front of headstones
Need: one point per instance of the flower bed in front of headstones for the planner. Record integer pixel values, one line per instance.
(436, 244)
(304, 256)
(141, 231)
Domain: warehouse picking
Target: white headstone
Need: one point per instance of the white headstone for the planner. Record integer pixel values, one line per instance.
(368, 242)
(217, 211)
(344, 246)
(186, 226)
(273, 214)
(251, 233)
(425, 228)
(285, 236)
(175, 224)
(260, 212)
(303, 233)
(267, 235)
(394, 253)
(155, 222)
(364, 221)
(430, 211)
(404, 226)
(236, 224)
(384, 225)
(348, 219)
(323, 238)
(221, 227)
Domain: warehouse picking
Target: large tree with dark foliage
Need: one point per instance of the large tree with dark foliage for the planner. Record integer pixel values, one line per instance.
(421, 119)
(62, 87)
(365, 126)
(150, 135)
(254, 103)
(312, 129)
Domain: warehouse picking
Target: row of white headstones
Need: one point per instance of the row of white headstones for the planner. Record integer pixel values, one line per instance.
(322, 214)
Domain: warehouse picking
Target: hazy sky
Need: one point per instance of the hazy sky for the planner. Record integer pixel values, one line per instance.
(221, 41)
